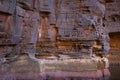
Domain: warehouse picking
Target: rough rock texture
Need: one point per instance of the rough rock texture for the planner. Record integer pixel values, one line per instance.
(112, 16)
(56, 26)
(23, 68)
(112, 22)
(57, 29)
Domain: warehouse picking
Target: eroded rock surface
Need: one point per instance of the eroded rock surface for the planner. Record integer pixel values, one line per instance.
(56, 30)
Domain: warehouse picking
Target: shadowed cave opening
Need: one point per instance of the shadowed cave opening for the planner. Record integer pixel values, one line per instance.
(114, 55)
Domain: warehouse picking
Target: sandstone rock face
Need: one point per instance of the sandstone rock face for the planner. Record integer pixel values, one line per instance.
(62, 28)
(112, 16)
(23, 68)
(55, 26)
(112, 22)
(72, 28)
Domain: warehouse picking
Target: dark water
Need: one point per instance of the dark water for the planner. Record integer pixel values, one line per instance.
(114, 68)
(115, 71)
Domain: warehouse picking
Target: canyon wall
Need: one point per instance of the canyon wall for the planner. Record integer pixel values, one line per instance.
(77, 29)
(52, 26)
